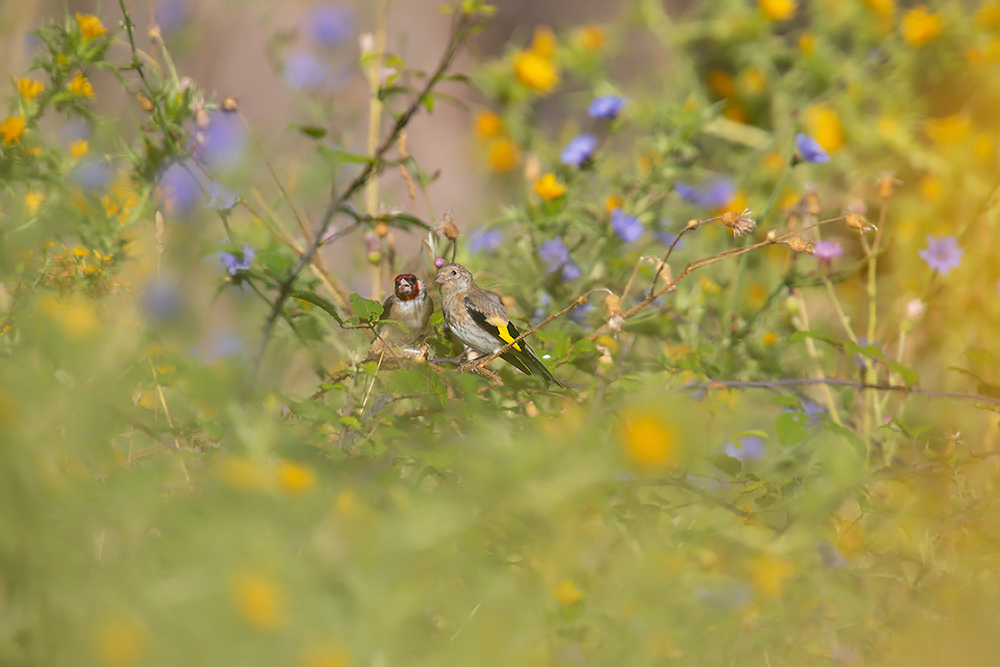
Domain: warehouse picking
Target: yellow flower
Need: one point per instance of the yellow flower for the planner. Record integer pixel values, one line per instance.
(535, 72)
(769, 339)
(768, 574)
(774, 161)
(90, 25)
(258, 600)
(611, 202)
(591, 37)
(778, 10)
(881, 7)
(12, 128)
(121, 642)
(807, 42)
(754, 80)
(78, 148)
(709, 286)
(735, 112)
(242, 473)
(488, 124)
(543, 42)
(548, 188)
(948, 130)
(823, 125)
(80, 85)
(720, 83)
(29, 88)
(989, 52)
(502, 154)
(33, 200)
(756, 295)
(345, 503)
(887, 126)
(931, 188)
(987, 16)
(295, 479)
(648, 441)
(920, 26)
(850, 541)
(982, 147)
(567, 593)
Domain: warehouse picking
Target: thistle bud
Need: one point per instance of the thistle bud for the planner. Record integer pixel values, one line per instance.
(448, 228)
(694, 224)
(886, 183)
(800, 246)
(439, 262)
(855, 221)
(792, 306)
(229, 105)
(614, 305)
(144, 102)
(154, 33)
(381, 230)
(741, 224)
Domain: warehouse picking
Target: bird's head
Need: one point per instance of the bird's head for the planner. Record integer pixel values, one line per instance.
(408, 286)
(454, 277)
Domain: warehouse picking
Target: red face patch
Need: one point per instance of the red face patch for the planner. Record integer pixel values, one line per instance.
(407, 287)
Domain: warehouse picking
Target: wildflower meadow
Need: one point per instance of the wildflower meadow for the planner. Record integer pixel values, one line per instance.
(753, 242)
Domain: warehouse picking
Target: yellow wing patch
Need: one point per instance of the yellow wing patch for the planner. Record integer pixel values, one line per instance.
(501, 324)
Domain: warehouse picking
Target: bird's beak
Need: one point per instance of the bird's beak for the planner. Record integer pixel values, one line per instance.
(440, 279)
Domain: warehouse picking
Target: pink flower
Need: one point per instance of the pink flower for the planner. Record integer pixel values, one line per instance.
(827, 251)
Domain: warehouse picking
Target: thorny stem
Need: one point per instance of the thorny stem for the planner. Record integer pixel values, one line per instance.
(464, 24)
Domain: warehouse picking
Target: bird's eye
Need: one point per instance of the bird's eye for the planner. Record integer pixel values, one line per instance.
(454, 273)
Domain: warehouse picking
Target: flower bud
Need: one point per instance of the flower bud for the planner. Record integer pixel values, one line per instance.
(614, 306)
(886, 183)
(771, 235)
(792, 306)
(448, 228)
(381, 230)
(693, 224)
(439, 262)
(144, 102)
(855, 221)
(800, 246)
(374, 257)
(229, 105)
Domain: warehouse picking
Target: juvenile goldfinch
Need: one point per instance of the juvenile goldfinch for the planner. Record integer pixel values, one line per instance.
(478, 319)
(410, 305)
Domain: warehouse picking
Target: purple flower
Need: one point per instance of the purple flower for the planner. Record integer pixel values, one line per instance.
(92, 173)
(484, 240)
(236, 262)
(78, 128)
(161, 300)
(859, 359)
(827, 251)
(809, 149)
(710, 194)
(171, 14)
(220, 345)
(556, 257)
(328, 25)
(943, 254)
(580, 313)
(627, 227)
(606, 107)
(813, 411)
(222, 198)
(303, 71)
(223, 140)
(746, 449)
(578, 150)
(177, 191)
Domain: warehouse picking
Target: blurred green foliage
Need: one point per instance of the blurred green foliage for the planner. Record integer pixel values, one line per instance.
(784, 454)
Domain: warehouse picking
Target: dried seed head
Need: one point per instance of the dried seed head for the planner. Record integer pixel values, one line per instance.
(741, 224)
(771, 235)
(448, 228)
(886, 183)
(812, 200)
(532, 168)
(144, 102)
(230, 105)
(855, 221)
(381, 230)
(154, 33)
(694, 224)
(800, 246)
(614, 306)
(666, 276)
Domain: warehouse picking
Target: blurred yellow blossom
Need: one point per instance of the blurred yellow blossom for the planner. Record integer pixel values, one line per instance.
(567, 593)
(33, 200)
(948, 130)
(78, 148)
(611, 202)
(754, 80)
(769, 339)
(326, 656)
(76, 315)
(242, 473)
(988, 52)
(920, 26)
(543, 42)
(988, 15)
(982, 147)
(121, 642)
(823, 125)
(12, 128)
(931, 188)
(536, 72)
(768, 574)
(29, 88)
(886, 126)
(709, 286)
(885, 13)
(778, 10)
(807, 42)
(756, 296)
(850, 541)
(774, 161)
(80, 85)
(345, 503)
(502, 154)
(592, 37)
(548, 188)
(258, 600)
(295, 478)
(488, 124)
(90, 25)
(649, 441)
(735, 112)
(720, 83)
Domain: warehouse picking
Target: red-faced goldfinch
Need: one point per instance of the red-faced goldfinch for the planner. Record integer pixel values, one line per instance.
(478, 319)
(411, 306)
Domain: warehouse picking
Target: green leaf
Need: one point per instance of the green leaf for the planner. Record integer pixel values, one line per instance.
(727, 464)
(437, 317)
(313, 131)
(319, 301)
(802, 335)
(367, 310)
(910, 376)
(982, 356)
(787, 400)
(337, 155)
(350, 421)
(789, 429)
(429, 103)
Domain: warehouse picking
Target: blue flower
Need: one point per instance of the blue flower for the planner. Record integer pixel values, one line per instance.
(809, 149)
(813, 410)
(556, 257)
(303, 71)
(220, 345)
(177, 191)
(942, 254)
(91, 173)
(238, 262)
(627, 227)
(328, 25)
(484, 240)
(578, 150)
(223, 140)
(606, 107)
(859, 359)
(161, 300)
(710, 194)
(580, 313)
(171, 14)
(222, 198)
(746, 449)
